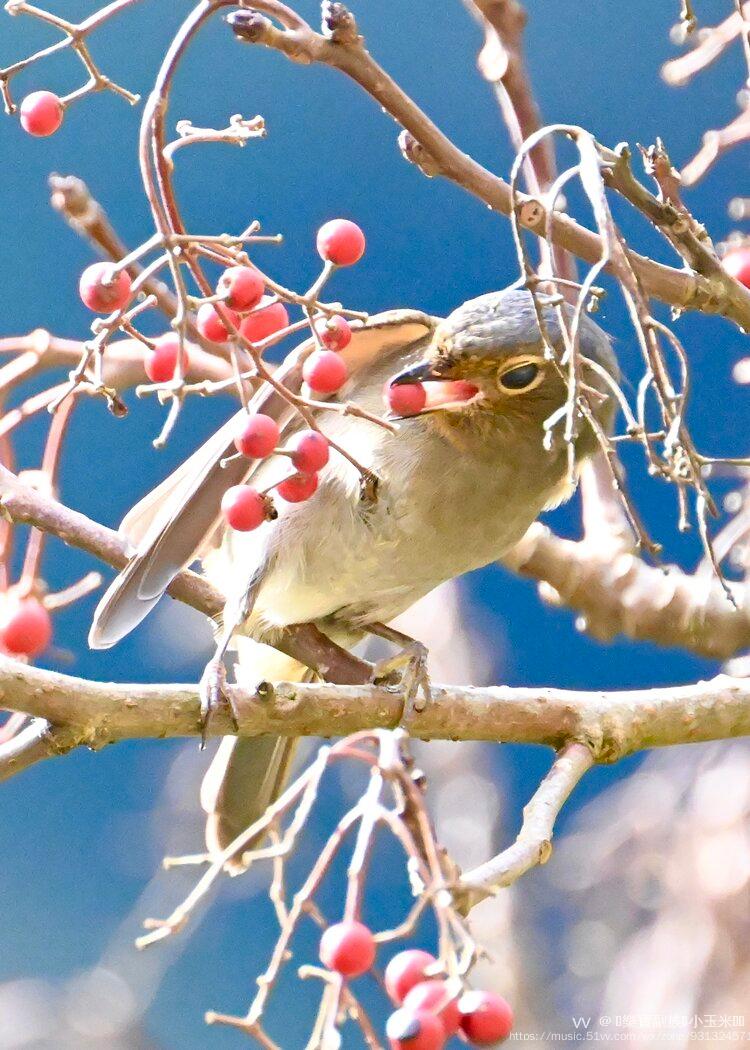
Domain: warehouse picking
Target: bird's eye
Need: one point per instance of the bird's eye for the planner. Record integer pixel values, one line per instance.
(520, 377)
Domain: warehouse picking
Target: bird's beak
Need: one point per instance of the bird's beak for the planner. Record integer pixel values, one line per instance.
(441, 392)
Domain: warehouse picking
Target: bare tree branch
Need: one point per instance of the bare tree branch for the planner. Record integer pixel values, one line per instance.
(715, 292)
(610, 724)
(122, 367)
(37, 741)
(534, 842)
(24, 505)
(708, 47)
(501, 62)
(616, 592)
(716, 143)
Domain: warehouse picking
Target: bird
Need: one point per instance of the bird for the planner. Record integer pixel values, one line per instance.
(459, 483)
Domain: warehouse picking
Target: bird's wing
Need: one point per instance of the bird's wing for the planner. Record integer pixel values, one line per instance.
(139, 519)
(169, 526)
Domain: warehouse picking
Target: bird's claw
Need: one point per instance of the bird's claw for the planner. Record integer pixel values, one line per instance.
(213, 695)
(414, 682)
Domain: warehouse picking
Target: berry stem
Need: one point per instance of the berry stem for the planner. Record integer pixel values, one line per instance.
(75, 35)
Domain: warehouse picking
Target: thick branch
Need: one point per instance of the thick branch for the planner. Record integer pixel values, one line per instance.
(618, 593)
(24, 505)
(718, 293)
(122, 366)
(687, 236)
(609, 724)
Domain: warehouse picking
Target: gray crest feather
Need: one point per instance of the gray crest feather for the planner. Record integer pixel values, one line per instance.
(501, 321)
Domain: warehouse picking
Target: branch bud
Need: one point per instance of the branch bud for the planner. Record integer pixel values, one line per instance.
(338, 23)
(71, 197)
(250, 26)
(416, 154)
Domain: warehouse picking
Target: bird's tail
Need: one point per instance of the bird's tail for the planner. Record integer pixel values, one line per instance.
(248, 774)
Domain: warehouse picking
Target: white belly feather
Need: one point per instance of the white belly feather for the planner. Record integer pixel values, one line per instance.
(336, 556)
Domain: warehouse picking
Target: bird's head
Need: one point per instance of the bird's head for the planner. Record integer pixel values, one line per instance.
(485, 367)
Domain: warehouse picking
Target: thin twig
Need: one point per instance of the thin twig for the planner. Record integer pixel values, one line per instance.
(534, 842)
(300, 43)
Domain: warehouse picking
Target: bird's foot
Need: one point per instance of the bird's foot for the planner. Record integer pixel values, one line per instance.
(414, 680)
(213, 694)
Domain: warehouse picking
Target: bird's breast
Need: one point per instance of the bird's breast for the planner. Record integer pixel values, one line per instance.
(440, 512)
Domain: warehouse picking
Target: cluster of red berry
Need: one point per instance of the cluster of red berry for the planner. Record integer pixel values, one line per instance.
(240, 290)
(245, 508)
(25, 626)
(429, 1010)
(342, 243)
(255, 315)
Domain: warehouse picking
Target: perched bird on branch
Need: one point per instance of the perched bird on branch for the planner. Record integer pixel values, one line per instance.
(459, 483)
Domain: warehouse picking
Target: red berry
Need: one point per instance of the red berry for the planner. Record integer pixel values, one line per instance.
(264, 322)
(325, 372)
(341, 242)
(243, 287)
(104, 289)
(244, 508)
(348, 948)
(41, 113)
(737, 264)
(414, 1030)
(437, 998)
(25, 627)
(211, 326)
(161, 363)
(405, 970)
(407, 399)
(298, 487)
(334, 332)
(310, 452)
(257, 437)
(486, 1018)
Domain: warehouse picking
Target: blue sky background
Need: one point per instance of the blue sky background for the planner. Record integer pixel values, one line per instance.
(78, 837)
